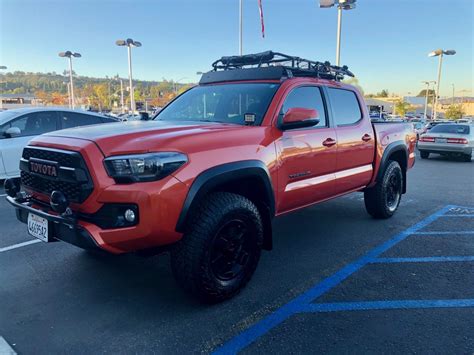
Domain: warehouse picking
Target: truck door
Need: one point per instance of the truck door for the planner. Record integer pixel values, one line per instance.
(355, 140)
(307, 156)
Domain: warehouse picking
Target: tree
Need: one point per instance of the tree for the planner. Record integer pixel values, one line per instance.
(431, 94)
(58, 99)
(454, 112)
(383, 93)
(402, 107)
(354, 82)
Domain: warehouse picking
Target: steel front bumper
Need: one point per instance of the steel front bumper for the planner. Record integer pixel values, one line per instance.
(62, 228)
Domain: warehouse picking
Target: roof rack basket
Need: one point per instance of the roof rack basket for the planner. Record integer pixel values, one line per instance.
(295, 66)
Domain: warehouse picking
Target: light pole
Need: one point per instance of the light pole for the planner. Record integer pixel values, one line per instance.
(121, 92)
(452, 101)
(69, 55)
(176, 84)
(241, 25)
(2, 67)
(439, 53)
(427, 95)
(341, 5)
(129, 43)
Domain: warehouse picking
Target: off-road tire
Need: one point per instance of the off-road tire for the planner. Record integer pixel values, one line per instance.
(424, 155)
(377, 198)
(191, 257)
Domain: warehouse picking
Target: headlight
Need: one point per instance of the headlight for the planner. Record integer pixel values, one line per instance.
(143, 167)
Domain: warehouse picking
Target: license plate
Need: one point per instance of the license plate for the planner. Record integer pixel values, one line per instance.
(441, 140)
(38, 227)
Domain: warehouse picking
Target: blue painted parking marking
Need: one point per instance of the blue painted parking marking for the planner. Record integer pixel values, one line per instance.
(380, 305)
(303, 303)
(459, 215)
(430, 259)
(443, 233)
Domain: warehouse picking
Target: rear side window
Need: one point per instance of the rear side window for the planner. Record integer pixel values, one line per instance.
(345, 106)
(451, 128)
(306, 97)
(73, 119)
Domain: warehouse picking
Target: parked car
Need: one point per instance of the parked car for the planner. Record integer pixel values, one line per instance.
(418, 128)
(448, 139)
(206, 177)
(18, 126)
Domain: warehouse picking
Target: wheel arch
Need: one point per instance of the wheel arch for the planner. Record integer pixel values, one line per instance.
(396, 151)
(249, 178)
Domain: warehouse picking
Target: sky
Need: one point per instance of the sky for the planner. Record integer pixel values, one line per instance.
(384, 42)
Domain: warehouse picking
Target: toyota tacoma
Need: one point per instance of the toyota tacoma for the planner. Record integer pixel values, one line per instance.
(261, 135)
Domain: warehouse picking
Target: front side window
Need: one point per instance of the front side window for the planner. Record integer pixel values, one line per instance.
(74, 119)
(33, 124)
(345, 106)
(227, 103)
(308, 97)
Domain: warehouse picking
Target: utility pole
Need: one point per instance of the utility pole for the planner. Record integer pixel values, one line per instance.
(439, 53)
(241, 20)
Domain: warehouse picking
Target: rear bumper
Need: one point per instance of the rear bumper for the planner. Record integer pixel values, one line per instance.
(445, 148)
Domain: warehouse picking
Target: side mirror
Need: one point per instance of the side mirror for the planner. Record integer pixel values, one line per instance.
(298, 117)
(12, 132)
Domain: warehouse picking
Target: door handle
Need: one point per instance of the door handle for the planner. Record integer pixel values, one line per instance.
(329, 142)
(366, 137)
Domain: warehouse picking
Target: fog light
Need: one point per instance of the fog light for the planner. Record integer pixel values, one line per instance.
(58, 202)
(129, 216)
(12, 187)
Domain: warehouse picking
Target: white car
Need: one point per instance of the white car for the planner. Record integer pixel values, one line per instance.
(448, 139)
(19, 126)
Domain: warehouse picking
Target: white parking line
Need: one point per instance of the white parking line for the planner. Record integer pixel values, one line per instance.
(6, 349)
(19, 245)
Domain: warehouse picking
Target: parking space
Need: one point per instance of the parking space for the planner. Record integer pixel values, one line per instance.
(336, 281)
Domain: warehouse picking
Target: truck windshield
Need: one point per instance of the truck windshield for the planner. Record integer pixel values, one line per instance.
(227, 103)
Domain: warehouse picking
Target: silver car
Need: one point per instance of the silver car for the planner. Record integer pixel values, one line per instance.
(448, 139)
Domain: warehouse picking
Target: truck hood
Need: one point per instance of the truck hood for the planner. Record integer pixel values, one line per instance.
(148, 136)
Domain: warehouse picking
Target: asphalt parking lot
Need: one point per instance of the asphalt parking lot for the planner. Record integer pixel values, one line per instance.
(336, 281)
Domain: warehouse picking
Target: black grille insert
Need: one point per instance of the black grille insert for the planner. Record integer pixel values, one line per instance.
(73, 177)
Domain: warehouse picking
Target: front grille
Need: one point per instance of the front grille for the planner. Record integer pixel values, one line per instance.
(73, 178)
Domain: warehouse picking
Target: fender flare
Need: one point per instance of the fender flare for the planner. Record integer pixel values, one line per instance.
(393, 148)
(209, 179)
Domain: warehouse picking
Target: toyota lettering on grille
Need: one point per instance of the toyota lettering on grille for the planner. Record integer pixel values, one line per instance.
(44, 168)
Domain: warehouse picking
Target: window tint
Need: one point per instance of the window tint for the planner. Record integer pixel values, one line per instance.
(33, 124)
(221, 103)
(73, 119)
(451, 128)
(306, 97)
(345, 106)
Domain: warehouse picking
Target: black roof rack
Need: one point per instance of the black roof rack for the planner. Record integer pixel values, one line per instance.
(271, 65)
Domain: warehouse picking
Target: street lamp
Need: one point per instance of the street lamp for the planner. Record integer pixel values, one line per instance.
(439, 53)
(121, 92)
(69, 55)
(176, 84)
(2, 67)
(129, 43)
(426, 95)
(341, 5)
